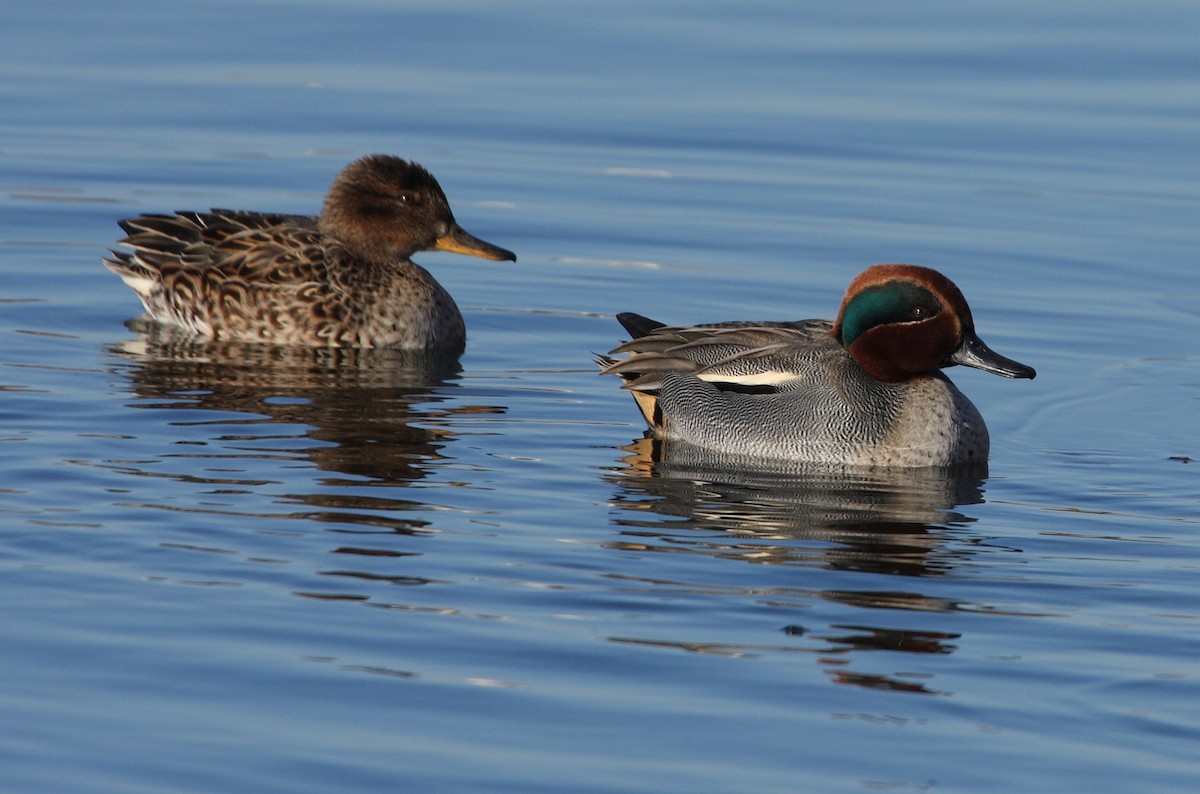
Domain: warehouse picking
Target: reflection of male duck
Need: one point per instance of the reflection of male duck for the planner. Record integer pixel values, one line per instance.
(865, 389)
(897, 524)
(884, 520)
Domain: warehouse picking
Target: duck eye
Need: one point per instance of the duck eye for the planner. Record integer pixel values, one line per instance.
(923, 310)
(408, 197)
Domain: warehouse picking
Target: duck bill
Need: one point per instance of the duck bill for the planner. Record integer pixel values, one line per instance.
(974, 353)
(461, 242)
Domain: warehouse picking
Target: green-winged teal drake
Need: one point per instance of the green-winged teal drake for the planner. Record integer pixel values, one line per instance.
(865, 389)
(341, 279)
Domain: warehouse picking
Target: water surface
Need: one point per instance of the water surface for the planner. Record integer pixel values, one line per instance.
(231, 569)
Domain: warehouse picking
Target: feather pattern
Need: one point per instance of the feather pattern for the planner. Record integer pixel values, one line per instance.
(795, 391)
(341, 279)
(759, 354)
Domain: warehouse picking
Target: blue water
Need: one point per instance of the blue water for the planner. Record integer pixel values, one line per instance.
(284, 572)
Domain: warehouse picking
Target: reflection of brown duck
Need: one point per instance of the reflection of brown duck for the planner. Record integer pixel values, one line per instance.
(358, 405)
(241, 420)
(343, 279)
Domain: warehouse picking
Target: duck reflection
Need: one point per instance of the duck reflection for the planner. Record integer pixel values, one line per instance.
(241, 416)
(891, 521)
(836, 658)
(359, 404)
(677, 498)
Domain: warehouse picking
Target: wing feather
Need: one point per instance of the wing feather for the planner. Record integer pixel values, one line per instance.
(764, 356)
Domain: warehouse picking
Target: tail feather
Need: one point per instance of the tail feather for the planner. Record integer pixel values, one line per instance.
(637, 325)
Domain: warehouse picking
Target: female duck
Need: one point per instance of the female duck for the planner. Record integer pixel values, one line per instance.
(865, 389)
(343, 279)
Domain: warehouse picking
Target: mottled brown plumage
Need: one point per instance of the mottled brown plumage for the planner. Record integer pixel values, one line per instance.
(342, 279)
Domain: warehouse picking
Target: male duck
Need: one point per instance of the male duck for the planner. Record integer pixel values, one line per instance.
(865, 389)
(343, 279)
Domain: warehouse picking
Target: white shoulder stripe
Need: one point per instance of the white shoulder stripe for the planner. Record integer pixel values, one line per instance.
(772, 377)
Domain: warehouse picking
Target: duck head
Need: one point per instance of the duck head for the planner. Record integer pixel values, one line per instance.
(383, 209)
(902, 321)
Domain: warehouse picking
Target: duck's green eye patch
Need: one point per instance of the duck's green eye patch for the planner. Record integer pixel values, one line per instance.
(894, 302)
